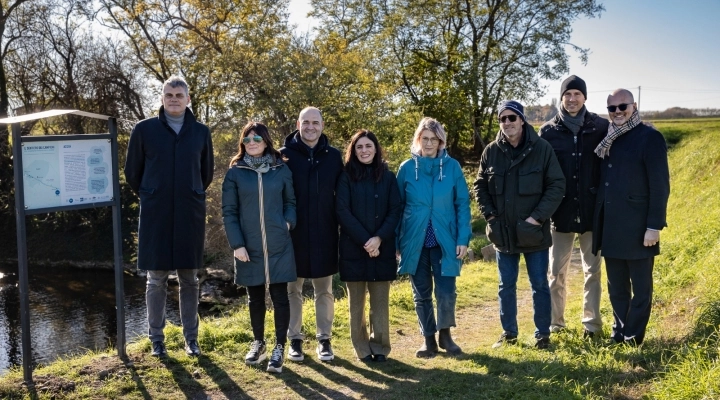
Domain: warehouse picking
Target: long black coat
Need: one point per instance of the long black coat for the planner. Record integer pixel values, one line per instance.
(315, 238)
(170, 172)
(258, 220)
(366, 209)
(633, 195)
(581, 167)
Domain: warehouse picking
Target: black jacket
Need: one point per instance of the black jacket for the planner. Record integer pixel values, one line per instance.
(315, 238)
(365, 209)
(633, 194)
(581, 167)
(531, 185)
(170, 172)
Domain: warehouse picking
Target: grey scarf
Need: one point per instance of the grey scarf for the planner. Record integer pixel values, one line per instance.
(260, 164)
(614, 132)
(572, 123)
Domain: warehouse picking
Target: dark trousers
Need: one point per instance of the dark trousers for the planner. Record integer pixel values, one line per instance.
(630, 287)
(256, 304)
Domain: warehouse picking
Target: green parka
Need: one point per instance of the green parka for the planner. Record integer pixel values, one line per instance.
(531, 185)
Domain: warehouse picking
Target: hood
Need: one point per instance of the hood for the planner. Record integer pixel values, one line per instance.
(293, 141)
(426, 165)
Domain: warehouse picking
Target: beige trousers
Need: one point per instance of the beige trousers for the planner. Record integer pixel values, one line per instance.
(378, 341)
(557, 273)
(324, 307)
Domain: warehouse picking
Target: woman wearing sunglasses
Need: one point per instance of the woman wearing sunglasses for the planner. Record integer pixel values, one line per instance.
(368, 210)
(258, 204)
(434, 232)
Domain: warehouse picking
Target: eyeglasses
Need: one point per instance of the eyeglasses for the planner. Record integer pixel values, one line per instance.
(430, 140)
(512, 118)
(621, 107)
(256, 139)
(178, 96)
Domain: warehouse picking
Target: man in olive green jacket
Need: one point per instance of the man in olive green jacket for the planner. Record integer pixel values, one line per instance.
(519, 186)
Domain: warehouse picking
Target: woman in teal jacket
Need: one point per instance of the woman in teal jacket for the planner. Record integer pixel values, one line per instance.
(434, 232)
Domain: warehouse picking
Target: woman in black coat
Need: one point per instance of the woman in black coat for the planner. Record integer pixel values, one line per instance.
(258, 206)
(368, 209)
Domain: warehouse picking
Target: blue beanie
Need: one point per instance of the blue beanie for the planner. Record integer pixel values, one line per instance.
(513, 106)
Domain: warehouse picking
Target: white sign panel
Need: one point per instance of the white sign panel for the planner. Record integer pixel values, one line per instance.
(67, 172)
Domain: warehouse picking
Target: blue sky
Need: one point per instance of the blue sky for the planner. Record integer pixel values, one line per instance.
(669, 48)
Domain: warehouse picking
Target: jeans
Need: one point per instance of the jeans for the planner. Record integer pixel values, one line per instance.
(324, 307)
(537, 268)
(256, 304)
(560, 253)
(429, 269)
(156, 294)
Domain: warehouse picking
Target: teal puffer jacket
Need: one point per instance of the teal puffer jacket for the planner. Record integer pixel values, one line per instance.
(433, 188)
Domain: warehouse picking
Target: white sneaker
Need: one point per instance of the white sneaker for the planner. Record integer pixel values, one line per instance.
(276, 359)
(324, 350)
(296, 353)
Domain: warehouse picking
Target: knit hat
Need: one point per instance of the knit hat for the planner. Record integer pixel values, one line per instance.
(513, 106)
(573, 82)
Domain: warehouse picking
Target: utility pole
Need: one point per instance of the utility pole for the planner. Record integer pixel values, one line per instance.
(638, 98)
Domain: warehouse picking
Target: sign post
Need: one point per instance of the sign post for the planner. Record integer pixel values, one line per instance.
(62, 173)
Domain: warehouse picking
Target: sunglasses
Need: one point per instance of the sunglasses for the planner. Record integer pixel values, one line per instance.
(512, 118)
(621, 107)
(256, 139)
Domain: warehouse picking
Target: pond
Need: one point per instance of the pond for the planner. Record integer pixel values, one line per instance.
(71, 310)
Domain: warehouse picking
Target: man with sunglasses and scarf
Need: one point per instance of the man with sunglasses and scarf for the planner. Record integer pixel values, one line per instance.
(519, 186)
(574, 133)
(630, 211)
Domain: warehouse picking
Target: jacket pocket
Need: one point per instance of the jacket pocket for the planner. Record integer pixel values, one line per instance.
(493, 231)
(496, 181)
(528, 235)
(530, 181)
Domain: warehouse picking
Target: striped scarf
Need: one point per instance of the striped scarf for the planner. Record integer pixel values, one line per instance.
(614, 132)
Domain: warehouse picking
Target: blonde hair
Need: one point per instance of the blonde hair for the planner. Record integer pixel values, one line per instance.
(432, 125)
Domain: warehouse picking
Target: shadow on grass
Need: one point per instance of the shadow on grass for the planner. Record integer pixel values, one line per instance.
(185, 381)
(225, 383)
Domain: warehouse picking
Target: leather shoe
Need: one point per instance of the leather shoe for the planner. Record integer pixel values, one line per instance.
(158, 349)
(428, 349)
(367, 358)
(445, 341)
(192, 348)
(379, 358)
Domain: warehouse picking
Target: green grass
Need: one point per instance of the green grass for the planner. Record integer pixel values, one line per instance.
(679, 359)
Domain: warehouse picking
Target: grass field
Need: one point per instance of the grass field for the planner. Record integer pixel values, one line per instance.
(677, 361)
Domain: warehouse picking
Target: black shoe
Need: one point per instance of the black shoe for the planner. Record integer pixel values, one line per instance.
(192, 348)
(257, 353)
(505, 338)
(158, 349)
(588, 334)
(379, 358)
(276, 359)
(324, 350)
(445, 342)
(296, 353)
(367, 358)
(428, 349)
(542, 343)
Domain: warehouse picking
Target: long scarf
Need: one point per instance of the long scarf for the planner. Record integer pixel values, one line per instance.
(614, 132)
(259, 164)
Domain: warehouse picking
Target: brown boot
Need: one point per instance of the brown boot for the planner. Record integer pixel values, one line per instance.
(446, 342)
(428, 349)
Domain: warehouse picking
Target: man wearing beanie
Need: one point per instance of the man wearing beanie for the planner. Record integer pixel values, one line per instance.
(519, 186)
(574, 133)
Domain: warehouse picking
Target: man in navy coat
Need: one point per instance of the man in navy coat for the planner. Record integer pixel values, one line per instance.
(630, 212)
(169, 166)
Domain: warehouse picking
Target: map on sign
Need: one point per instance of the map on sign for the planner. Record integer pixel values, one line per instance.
(66, 172)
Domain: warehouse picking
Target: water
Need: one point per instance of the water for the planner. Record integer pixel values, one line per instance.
(71, 310)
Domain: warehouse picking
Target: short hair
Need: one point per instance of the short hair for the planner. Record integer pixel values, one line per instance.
(432, 125)
(176, 81)
(261, 130)
(354, 167)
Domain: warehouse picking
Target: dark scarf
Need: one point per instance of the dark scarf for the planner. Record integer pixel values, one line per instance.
(572, 123)
(260, 164)
(614, 132)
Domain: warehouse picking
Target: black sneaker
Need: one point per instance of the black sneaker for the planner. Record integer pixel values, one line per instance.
(276, 359)
(158, 349)
(296, 353)
(324, 350)
(192, 348)
(257, 353)
(505, 338)
(588, 334)
(542, 343)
